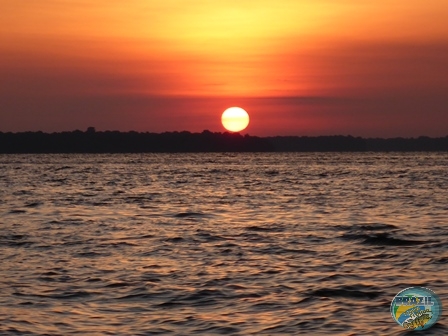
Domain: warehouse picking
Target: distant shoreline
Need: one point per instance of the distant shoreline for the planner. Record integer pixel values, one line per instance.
(92, 141)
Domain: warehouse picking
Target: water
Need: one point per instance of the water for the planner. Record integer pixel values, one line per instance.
(209, 244)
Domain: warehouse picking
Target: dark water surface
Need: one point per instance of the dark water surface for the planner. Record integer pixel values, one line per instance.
(209, 244)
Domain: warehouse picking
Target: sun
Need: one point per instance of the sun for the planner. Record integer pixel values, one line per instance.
(235, 119)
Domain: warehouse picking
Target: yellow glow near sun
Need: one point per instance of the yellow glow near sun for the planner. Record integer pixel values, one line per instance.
(235, 119)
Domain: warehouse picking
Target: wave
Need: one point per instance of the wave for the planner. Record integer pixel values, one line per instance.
(350, 292)
(189, 215)
(258, 228)
(15, 240)
(382, 239)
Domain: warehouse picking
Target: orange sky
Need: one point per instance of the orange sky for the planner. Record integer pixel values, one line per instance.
(376, 68)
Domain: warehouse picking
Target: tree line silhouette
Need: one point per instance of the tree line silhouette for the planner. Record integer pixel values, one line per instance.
(92, 141)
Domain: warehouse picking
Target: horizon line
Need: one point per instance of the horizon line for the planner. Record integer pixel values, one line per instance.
(92, 130)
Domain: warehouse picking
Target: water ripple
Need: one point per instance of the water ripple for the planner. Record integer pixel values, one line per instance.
(210, 244)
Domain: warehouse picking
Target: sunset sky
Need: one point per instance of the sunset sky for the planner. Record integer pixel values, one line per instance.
(299, 67)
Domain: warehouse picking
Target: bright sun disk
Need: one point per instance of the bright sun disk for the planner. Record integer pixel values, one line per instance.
(235, 119)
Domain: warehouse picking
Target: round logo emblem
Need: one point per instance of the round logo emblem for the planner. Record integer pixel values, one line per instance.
(416, 308)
